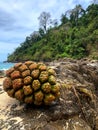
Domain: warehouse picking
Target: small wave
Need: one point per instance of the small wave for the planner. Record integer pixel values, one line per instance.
(5, 66)
(3, 69)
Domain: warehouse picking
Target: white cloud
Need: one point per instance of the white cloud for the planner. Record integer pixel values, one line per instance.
(19, 18)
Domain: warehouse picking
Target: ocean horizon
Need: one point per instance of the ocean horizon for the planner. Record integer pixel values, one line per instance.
(6, 65)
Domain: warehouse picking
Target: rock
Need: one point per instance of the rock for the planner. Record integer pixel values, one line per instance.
(76, 109)
(96, 123)
(2, 73)
(78, 94)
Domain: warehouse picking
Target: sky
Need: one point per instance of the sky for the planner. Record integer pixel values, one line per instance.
(19, 18)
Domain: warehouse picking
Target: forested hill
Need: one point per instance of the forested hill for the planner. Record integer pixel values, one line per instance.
(76, 36)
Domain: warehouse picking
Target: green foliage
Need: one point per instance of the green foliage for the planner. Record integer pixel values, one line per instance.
(75, 37)
(64, 19)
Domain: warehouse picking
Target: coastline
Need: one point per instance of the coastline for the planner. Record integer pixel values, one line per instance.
(5, 66)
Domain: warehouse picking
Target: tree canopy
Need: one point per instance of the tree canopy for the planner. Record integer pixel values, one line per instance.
(44, 20)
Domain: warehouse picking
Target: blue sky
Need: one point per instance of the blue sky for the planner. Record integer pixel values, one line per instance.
(19, 18)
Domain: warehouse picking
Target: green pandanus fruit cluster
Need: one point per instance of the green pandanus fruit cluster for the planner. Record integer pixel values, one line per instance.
(32, 83)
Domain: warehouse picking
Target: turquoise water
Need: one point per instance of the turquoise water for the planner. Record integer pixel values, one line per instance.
(5, 66)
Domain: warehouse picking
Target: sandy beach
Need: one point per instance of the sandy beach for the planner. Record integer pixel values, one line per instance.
(1, 80)
(1, 86)
(7, 120)
(5, 100)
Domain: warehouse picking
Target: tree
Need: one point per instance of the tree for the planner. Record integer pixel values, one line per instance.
(75, 14)
(41, 32)
(44, 20)
(64, 19)
(92, 12)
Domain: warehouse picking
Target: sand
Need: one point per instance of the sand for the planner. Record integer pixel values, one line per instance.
(6, 108)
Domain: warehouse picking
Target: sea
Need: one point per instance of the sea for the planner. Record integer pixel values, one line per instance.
(5, 66)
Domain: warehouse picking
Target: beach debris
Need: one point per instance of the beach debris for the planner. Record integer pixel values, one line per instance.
(32, 83)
